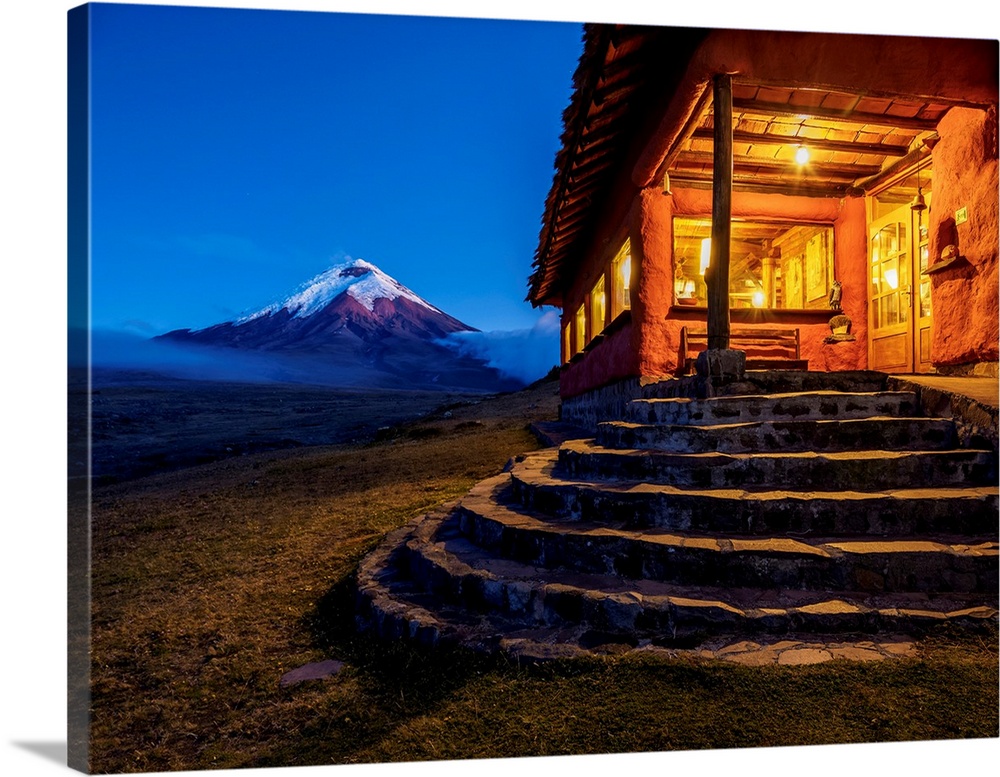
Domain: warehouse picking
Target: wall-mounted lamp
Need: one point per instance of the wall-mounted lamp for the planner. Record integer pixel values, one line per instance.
(801, 155)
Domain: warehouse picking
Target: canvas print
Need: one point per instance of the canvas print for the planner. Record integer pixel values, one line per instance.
(453, 388)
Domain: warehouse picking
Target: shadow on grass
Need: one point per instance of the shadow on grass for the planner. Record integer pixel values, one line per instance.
(396, 682)
(423, 675)
(399, 702)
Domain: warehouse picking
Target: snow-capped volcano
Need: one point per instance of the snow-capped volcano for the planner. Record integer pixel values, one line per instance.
(362, 280)
(352, 299)
(354, 324)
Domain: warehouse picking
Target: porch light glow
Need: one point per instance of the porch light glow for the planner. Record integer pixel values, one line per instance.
(757, 300)
(626, 271)
(801, 155)
(706, 255)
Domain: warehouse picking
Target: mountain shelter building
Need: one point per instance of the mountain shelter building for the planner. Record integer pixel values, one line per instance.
(818, 201)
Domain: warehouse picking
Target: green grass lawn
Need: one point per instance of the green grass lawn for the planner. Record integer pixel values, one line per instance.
(211, 583)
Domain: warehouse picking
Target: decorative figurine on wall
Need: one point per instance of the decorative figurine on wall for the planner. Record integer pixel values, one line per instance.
(835, 294)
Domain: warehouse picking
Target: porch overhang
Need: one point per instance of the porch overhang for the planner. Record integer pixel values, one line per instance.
(866, 109)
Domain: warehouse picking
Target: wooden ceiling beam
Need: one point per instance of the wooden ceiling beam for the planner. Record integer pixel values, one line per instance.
(698, 160)
(854, 117)
(763, 186)
(897, 169)
(840, 146)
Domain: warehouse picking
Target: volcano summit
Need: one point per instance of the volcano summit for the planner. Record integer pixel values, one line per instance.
(354, 325)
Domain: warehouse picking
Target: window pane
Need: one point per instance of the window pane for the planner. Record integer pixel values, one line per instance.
(771, 265)
(597, 307)
(621, 280)
(581, 328)
(891, 309)
(925, 299)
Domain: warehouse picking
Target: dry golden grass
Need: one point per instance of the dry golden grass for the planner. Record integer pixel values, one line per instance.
(210, 583)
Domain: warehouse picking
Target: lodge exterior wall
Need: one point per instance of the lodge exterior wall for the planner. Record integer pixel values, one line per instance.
(964, 298)
(662, 321)
(648, 345)
(614, 356)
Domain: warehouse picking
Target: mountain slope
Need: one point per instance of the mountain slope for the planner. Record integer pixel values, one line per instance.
(355, 325)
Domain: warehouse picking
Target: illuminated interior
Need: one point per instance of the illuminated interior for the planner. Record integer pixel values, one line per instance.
(598, 307)
(621, 279)
(771, 265)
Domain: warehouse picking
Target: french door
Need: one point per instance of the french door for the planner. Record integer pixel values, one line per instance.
(899, 294)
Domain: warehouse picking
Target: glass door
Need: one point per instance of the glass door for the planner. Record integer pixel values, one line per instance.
(899, 293)
(890, 292)
(922, 300)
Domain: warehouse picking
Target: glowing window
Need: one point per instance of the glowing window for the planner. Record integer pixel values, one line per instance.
(580, 329)
(567, 346)
(621, 280)
(771, 264)
(598, 308)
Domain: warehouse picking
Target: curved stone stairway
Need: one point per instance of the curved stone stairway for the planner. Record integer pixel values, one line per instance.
(830, 516)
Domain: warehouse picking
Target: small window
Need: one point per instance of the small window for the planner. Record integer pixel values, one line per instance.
(567, 345)
(771, 264)
(621, 280)
(598, 308)
(580, 329)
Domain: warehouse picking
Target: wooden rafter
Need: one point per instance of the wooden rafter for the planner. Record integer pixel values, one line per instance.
(839, 146)
(696, 160)
(766, 186)
(818, 112)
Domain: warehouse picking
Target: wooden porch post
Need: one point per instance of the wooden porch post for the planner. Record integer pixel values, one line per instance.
(717, 276)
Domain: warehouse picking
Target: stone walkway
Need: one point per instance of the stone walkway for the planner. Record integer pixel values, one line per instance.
(791, 652)
(985, 390)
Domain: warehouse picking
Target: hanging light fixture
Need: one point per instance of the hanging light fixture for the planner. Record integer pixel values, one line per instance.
(666, 184)
(918, 203)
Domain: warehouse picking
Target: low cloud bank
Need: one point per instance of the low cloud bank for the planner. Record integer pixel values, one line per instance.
(111, 351)
(523, 354)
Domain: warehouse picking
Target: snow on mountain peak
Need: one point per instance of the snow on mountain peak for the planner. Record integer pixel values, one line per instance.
(360, 279)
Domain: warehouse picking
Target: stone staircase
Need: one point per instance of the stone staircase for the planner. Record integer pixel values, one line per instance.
(833, 514)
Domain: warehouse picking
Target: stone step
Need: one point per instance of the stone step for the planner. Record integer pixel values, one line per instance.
(799, 406)
(775, 382)
(922, 565)
(530, 616)
(443, 562)
(853, 434)
(870, 470)
(538, 484)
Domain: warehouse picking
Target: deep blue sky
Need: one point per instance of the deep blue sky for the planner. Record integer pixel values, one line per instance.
(236, 153)
(33, 334)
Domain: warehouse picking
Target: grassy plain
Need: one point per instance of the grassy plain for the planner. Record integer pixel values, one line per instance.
(212, 581)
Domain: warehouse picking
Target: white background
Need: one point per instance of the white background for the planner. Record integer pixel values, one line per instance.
(32, 424)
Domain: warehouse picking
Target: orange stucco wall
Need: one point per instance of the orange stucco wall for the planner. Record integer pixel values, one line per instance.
(612, 360)
(964, 298)
(659, 345)
(616, 356)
